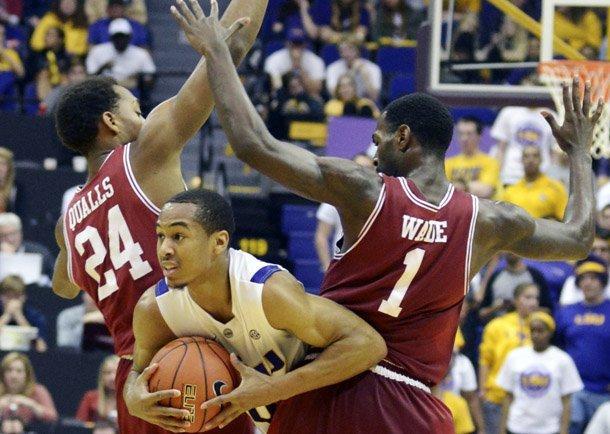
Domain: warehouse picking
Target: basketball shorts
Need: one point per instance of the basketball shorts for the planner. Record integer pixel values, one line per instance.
(366, 404)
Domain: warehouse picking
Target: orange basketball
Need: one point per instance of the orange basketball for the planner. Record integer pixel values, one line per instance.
(201, 369)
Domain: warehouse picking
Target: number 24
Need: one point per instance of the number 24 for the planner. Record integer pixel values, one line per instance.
(412, 262)
(118, 233)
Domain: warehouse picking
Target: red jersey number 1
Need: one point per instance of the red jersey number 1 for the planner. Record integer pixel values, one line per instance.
(118, 236)
(412, 262)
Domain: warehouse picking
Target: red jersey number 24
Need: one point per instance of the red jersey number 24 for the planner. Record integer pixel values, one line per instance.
(118, 236)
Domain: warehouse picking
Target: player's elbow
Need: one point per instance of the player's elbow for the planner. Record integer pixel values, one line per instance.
(373, 346)
(66, 291)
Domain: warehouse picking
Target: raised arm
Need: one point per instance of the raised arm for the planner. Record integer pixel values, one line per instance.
(140, 402)
(504, 227)
(62, 285)
(350, 347)
(171, 124)
(330, 180)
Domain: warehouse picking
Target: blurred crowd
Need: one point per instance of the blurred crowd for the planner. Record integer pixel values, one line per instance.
(533, 351)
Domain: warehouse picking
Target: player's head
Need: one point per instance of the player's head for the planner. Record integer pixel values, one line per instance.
(97, 115)
(592, 278)
(193, 234)
(17, 375)
(542, 327)
(411, 128)
(526, 297)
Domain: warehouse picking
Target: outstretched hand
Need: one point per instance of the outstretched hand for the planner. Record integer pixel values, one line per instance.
(203, 32)
(576, 133)
(255, 390)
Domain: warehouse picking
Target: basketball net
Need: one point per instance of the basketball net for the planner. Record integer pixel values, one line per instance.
(555, 72)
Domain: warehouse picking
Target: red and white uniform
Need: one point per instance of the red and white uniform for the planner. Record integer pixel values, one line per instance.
(406, 275)
(109, 230)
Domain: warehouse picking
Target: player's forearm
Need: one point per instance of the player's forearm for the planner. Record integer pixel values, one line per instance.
(345, 358)
(189, 103)
(242, 124)
(580, 212)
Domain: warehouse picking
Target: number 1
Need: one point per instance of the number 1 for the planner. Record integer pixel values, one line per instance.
(412, 262)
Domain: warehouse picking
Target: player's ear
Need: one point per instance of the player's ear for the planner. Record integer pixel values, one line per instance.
(221, 242)
(403, 135)
(110, 121)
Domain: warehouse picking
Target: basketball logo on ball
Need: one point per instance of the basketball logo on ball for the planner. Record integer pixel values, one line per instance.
(189, 396)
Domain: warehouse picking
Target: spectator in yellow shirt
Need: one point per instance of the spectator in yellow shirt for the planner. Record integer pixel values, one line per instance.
(500, 336)
(539, 195)
(480, 171)
(68, 15)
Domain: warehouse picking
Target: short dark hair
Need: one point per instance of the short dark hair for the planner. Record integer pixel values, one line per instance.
(213, 213)
(429, 120)
(80, 109)
(474, 120)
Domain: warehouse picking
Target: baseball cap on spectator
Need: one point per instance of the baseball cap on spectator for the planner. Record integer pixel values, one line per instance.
(296, 35)
(594, 265)
(119, 25)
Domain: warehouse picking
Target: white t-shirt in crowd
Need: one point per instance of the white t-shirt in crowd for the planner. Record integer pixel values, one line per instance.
(519, 127)
(600, 423)
(336, 69)
(537, 382)
(134, 60)
(570, 293)
(329, 215)
(279, 63)
(603, 196)
(461, 376)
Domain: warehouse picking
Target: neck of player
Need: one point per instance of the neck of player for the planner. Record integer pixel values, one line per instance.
(212, 290)
(430, 178)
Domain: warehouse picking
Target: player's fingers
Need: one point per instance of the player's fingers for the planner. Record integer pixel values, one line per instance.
(196, 7)
(219, 400)
(175, 413)
(223, 418)
(171, 424)
(576, 95)
(229, 418)
(178, 17)
(551, 121)
(567, 101)
(185, 11)
(214, 9)
(237, 364)
(237, 26)
(586, 103)
(162, 394)
(598, 111)
(149, 371)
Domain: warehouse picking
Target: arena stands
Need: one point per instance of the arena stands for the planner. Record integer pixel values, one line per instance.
(319, 75)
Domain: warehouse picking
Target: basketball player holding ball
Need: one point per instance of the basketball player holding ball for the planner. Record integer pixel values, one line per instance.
(256, 310)
(411, 243)
(106, 238)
